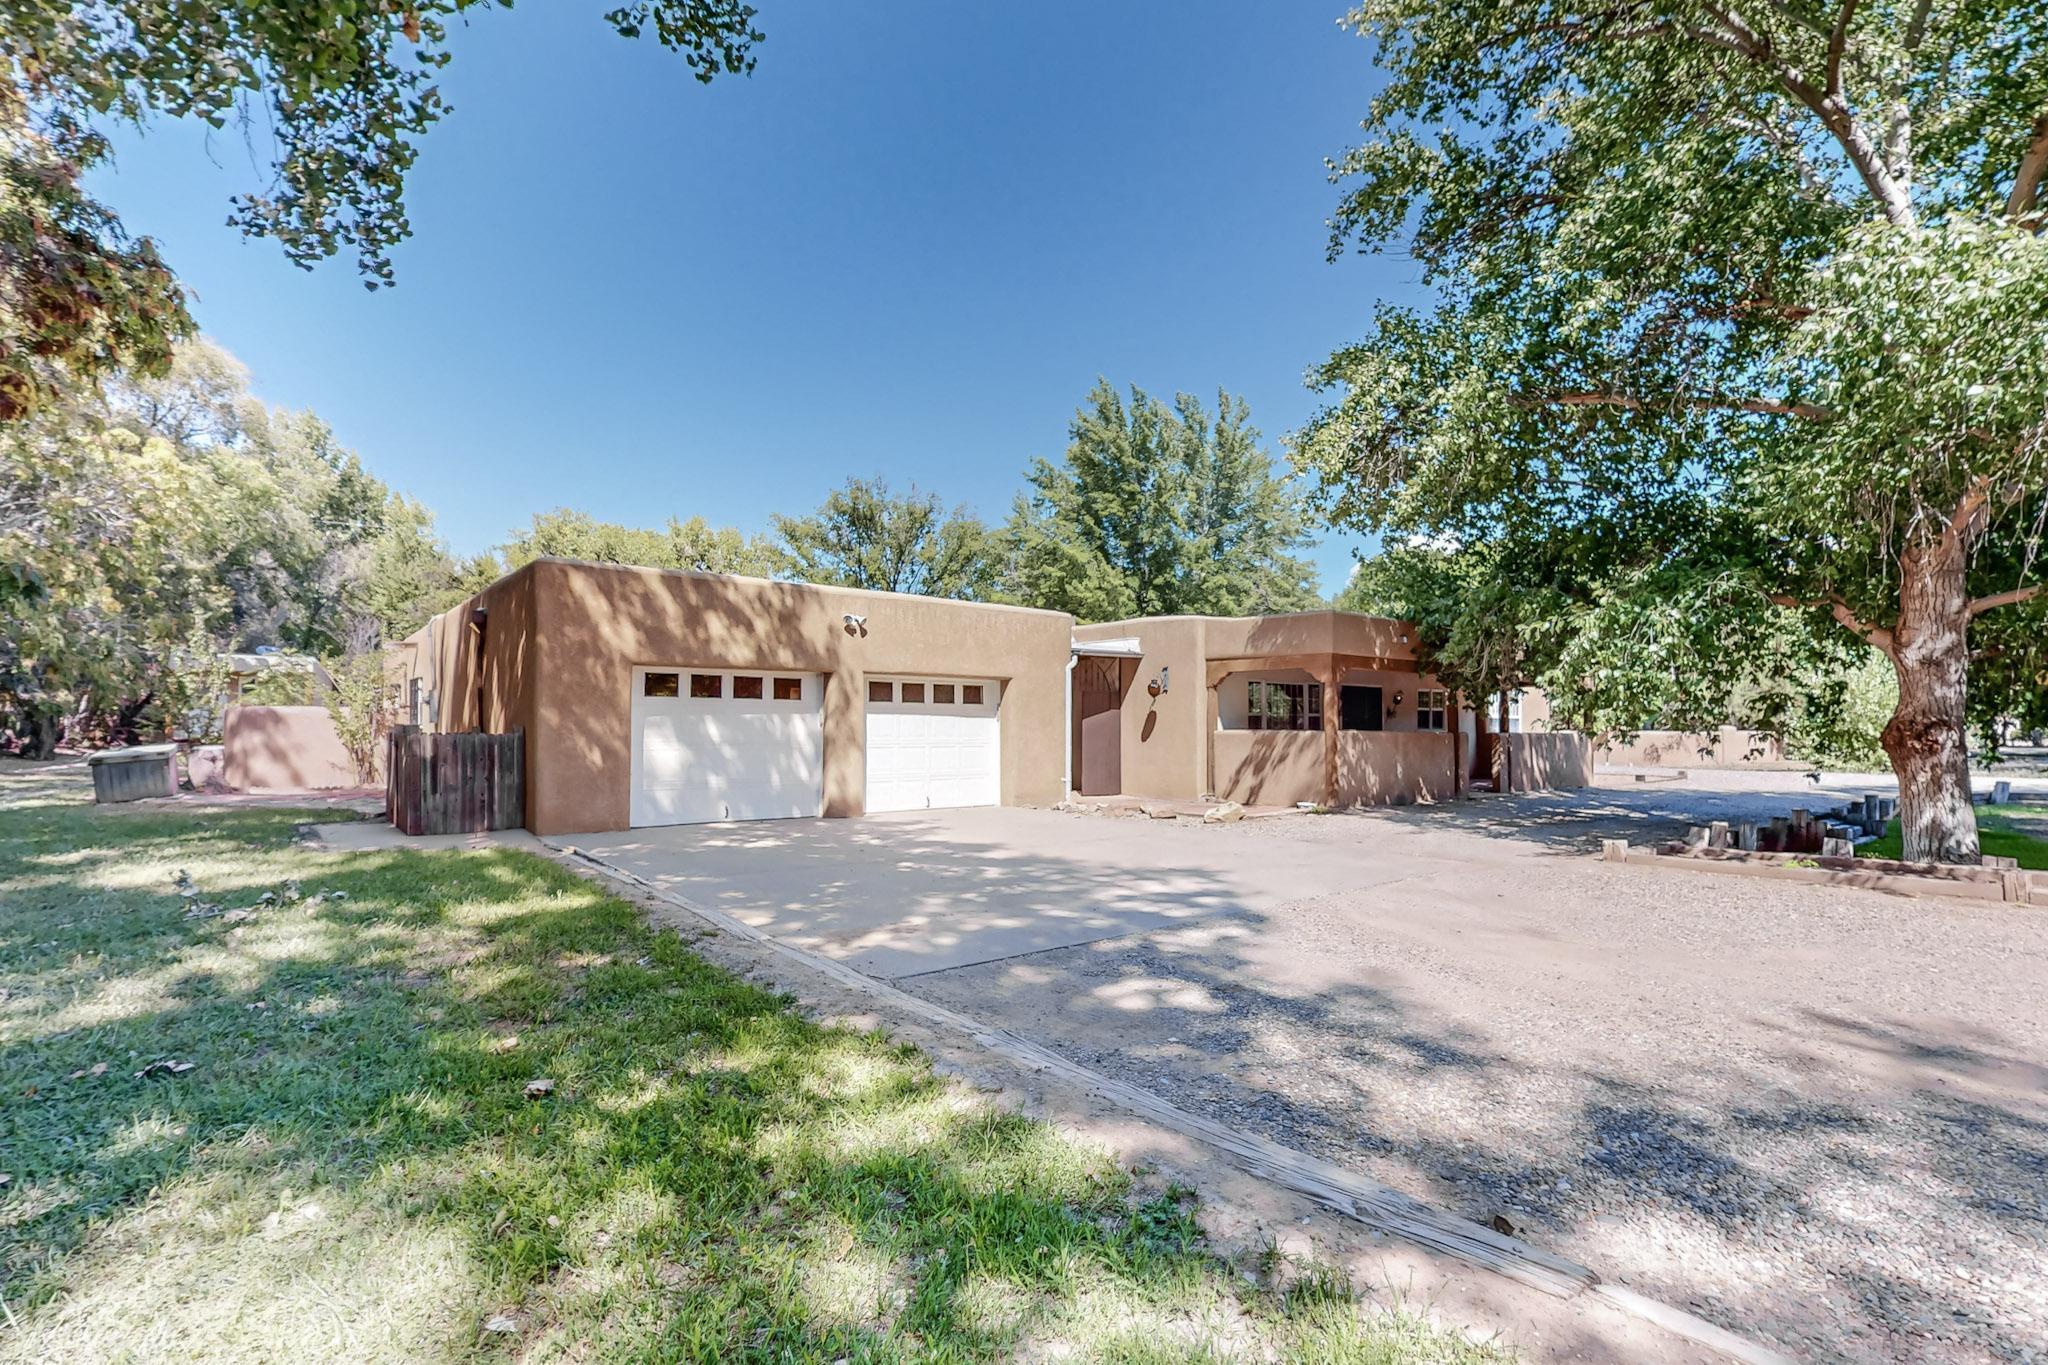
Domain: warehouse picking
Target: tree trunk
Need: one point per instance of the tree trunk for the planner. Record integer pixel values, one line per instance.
(40, 739)
(1927, 738)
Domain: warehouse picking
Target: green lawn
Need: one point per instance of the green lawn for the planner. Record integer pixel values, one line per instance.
(350, 1167)
(1998, 835)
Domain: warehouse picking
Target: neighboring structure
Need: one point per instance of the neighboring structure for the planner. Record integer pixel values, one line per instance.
(245, 669)
(281, 749)
(652, 697)
(1727, 747)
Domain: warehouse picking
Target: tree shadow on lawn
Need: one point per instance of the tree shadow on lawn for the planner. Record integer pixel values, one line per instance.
(712, 1177)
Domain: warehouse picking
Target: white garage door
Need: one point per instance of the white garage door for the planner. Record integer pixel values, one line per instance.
(933, 742)
(711, 744)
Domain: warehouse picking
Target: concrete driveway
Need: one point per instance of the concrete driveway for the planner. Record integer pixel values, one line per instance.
(1814, 1115)
(901, 896)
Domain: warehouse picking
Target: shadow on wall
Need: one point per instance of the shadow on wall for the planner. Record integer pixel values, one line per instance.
(1269, 767)
(1395, 767)
(284, 748)
(1548, 760)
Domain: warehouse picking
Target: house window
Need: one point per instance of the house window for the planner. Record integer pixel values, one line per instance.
(414, 702)
(942, 693)
(746, 689)
(913, 692)
(789, 689)
(970, 694)
(707, 685)
(881, 691)
(1431, 706)
(661, 685)
(1283, 706)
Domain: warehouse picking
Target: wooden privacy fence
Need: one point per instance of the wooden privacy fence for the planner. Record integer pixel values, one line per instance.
(455, 784)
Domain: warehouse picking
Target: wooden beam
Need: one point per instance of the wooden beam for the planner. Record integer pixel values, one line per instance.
(1219, 669)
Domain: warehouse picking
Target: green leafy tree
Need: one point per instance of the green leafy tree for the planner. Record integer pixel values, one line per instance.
(363, 705)
(344, 92)
(106, 571)
(1158, 510)
(862, 536)
(694, 544)
(1739, 310)
(405, 574)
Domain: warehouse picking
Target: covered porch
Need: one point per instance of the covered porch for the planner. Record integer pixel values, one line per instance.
(1335, 729)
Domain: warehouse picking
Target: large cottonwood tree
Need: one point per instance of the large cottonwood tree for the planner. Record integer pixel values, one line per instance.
(1747, 297)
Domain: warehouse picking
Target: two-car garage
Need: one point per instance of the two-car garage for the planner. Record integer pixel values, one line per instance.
(725, 744)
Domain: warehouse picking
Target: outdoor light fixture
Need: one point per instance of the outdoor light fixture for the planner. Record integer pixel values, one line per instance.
(855, 625)
(1159, 685)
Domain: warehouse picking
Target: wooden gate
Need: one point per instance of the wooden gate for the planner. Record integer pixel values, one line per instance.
(455, 784)
(1099, 686)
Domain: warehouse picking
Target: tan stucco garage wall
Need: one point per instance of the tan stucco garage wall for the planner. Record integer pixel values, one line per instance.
(593, 623)
(481, 672)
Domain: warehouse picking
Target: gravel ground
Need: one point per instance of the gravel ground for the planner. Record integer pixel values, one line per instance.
(1817, 1116)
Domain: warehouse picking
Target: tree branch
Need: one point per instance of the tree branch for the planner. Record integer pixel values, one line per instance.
(1980, 605)
(1838, 43)
(1737, 36)
(2033, 164)
(1772, 407)
(1967, 508)
(1877, 636)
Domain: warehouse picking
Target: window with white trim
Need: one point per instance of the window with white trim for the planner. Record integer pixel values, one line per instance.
(1432, 706)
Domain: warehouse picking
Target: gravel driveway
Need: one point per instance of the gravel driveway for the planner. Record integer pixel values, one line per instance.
(1817, 1116)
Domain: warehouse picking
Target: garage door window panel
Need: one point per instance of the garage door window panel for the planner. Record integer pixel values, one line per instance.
(662, 685)
(746, 689)
(704, 686)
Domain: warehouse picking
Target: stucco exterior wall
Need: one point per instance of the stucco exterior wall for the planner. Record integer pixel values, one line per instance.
(562, 639)
(1393, 767)
(1269, 767)
(1549, 760)
(1726, 747)
(1165, 738)
(1191, 742)
(284, 748)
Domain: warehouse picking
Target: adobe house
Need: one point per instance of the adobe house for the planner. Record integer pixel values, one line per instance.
(654, 696)
(658, 697)
(1330, 707)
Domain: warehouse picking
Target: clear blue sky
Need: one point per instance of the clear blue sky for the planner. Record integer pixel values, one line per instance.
(906, 245)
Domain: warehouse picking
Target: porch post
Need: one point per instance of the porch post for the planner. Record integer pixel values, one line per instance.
(1457, 744)
(1328, 675)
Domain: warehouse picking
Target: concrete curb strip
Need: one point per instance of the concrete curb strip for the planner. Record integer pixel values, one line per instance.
(1332, 1186)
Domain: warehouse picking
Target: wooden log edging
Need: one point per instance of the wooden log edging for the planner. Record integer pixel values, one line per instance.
(1342, 1191)
(1941, 880)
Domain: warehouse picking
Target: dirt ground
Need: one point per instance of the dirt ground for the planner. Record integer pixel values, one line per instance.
(1815, 1116)
(1818, 1117)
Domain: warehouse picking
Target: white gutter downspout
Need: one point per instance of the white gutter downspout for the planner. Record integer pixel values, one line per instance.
(1067, 755)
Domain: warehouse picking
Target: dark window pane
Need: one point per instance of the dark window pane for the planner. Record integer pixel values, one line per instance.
(746, 689)
(913, 691)
(970, 693)
(707, 685)
(662, 685)
(942, 692)
(881, 691)
(789, 689)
